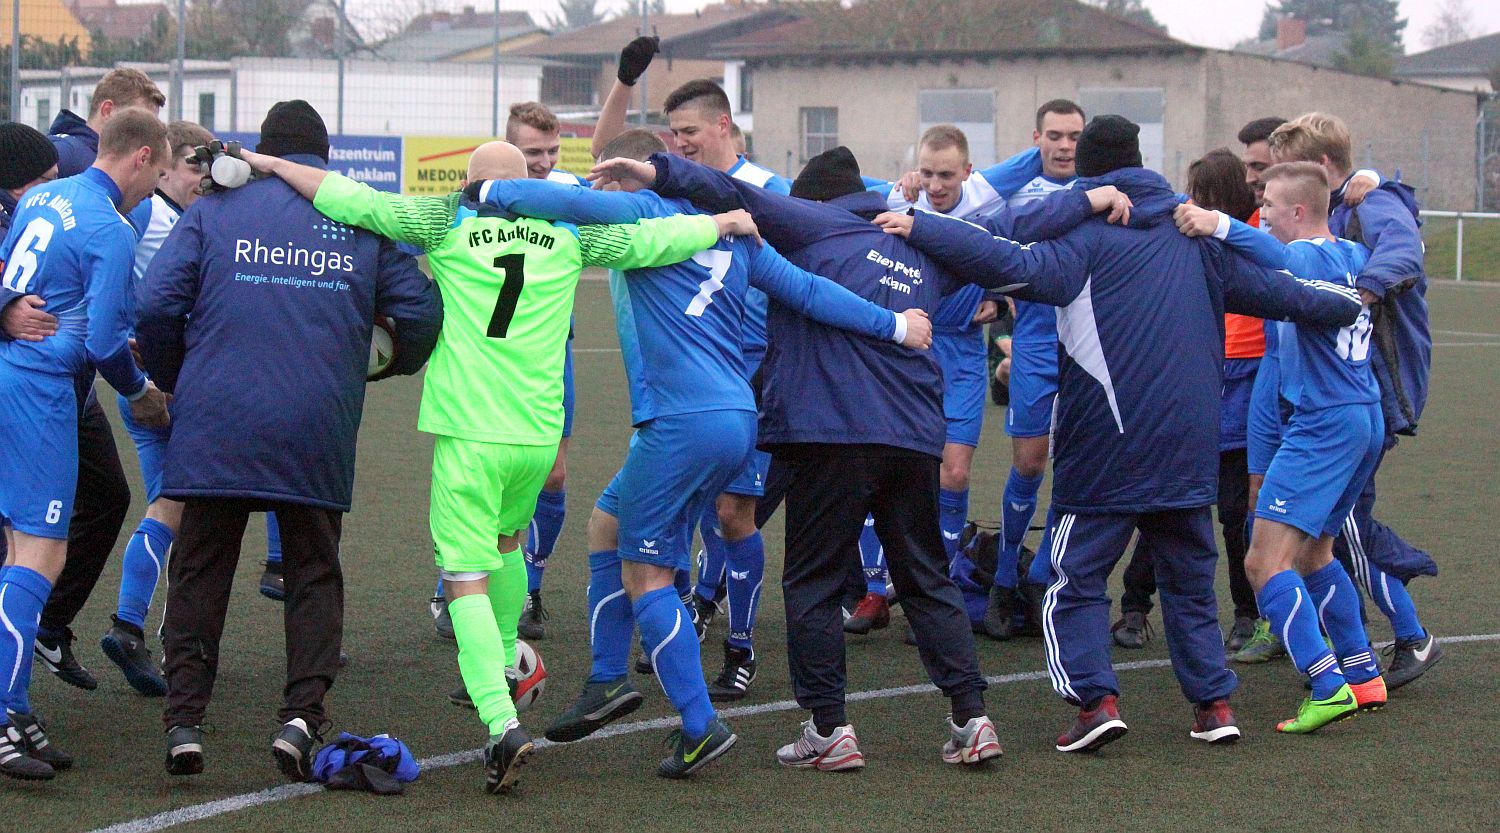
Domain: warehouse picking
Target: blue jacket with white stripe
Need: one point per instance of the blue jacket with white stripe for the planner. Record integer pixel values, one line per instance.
(1140, 329)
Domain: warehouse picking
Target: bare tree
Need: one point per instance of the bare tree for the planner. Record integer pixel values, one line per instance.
(1451, 26)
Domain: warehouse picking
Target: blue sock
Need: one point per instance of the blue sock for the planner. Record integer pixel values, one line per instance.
(747, 570)
(610, 620)
(438, 591)
(273, 540)
(1391, 597)
(713, 558)
(1338, 611)
(1290, 608)
(1040, 571)
(145, 556)
(953, 513)
(667, 633)
(546, 528)
(872, 557)
(23, 594)
(1017, 507)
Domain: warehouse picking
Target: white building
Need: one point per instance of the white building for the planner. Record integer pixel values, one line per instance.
(380, 98)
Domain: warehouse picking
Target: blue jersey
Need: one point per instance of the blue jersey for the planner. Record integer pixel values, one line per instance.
(1319, 366)
(1035, 323)
(566, 178)
(756, 304)
(69, 244)
(680, 326)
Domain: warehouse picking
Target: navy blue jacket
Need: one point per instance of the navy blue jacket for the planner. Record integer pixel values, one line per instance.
(1387, 223)
(257, 314)
(77, 144)
(823, 385)
(1141, 340)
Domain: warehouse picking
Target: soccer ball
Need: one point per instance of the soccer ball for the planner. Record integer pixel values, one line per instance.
(527, 678)
(382, 346)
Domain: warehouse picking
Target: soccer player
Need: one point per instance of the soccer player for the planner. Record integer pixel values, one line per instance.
(493, 392)
(70, 245)
(948, 184)
(1386, 222)
(1329, 447)
(680, 329)
(1137, 418)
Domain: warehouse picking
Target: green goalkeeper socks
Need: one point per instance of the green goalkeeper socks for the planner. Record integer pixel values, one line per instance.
(481, 657)
(508, 598)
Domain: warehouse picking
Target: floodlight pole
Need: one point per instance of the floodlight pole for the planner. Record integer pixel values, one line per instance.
(645, 29)
(495, 74)
(177, 109)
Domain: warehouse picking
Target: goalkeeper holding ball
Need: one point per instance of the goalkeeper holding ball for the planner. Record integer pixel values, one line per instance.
(493, 393)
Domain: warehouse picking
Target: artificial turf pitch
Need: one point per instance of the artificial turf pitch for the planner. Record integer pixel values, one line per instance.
(1427, 762)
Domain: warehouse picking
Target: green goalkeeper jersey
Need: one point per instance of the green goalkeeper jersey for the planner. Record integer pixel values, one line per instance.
(508, 284)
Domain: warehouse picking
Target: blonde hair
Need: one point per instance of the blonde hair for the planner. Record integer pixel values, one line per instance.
(129, 130)
(944, 136)
(125, 86)
(1307, 181)
(532, 114)
(1310, 137)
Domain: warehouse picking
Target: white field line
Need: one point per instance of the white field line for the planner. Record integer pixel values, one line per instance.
(210, 809)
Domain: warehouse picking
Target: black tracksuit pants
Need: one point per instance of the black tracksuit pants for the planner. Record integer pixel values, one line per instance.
(201, 573)
(831, 488)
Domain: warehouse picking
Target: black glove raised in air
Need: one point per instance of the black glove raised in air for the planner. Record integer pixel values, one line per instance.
(635, 57)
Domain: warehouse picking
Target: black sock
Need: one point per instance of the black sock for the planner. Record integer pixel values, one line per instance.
(828, 718)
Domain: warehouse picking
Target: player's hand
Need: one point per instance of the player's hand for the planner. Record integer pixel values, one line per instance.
(911, 185)
(918, 329)
(23, 319)
(737, 223)
(1368, 298)
(897, 224)
(635, 57)
(1111, 199)
(1355, 191)
(135, 353)
(259, 162)
(624, 172)
(988, 311)
(1194, 221)
(150, 410)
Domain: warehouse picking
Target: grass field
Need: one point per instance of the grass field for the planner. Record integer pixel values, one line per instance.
(1481, 249)
(1426, 763)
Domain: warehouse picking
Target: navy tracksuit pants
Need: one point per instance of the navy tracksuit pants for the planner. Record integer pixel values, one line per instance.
(1366, 540)
(1075, 610)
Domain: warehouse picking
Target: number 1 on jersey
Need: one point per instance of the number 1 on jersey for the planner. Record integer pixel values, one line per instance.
(514, 267)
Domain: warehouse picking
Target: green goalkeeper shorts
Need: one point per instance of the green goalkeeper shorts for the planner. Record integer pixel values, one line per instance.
(481, 491)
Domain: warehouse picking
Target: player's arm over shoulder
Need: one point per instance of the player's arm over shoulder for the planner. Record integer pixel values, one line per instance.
(650, 242)
(421, 221)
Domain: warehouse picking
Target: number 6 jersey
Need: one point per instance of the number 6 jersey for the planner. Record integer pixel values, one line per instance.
(508, 284)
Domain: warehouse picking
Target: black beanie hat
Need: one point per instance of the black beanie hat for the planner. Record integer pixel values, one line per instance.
(293, 127)
(27, 154)
(1107, 144)
(829, 175)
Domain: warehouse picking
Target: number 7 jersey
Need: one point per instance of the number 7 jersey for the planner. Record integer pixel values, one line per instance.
(508, 284)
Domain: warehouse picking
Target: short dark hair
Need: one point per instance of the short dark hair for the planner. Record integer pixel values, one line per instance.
(129, 130)
(701, 93)
(1259, 130)
(1061, 106)
(186, 134)
(1217, 182)
(636, 143)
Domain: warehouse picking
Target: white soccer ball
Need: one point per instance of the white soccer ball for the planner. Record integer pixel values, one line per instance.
(528, 677)
(382, 347)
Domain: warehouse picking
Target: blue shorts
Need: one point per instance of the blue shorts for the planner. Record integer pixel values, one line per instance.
(568, 389)
(1263, 422)
(1324, 461)
(965, 363)
(1234, 404)
(1033, 389)
(676, 467)
(150, 449)
(38, 451)
(751, 481)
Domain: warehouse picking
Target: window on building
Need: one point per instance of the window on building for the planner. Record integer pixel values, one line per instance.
(569, 86)
(820, 130)
(972, 111)
(1146, 106)
(206, 111)
(43, 114)
(747, 89)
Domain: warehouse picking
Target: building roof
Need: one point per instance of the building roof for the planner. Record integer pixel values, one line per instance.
(442, 45)
(1478, 56)
(468, 19)
(948, 27)
(115, 21)
(1317, 50)
(47, 20)
(683, 34)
